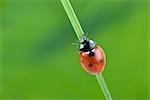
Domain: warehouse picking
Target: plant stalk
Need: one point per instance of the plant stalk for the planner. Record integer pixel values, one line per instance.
(103, 86)
(79, 32)
(73, 18)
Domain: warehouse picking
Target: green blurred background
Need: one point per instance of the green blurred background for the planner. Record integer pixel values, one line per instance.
(40, 62)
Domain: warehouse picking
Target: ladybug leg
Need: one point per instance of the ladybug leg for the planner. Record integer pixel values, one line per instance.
(77, 41)
(76, 44)
(78, 52)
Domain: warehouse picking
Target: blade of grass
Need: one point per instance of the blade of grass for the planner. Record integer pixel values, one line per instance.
(73, 18)
(103, 86)
(79, 32)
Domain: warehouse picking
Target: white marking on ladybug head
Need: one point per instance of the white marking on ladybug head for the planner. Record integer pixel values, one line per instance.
(93, 50)
(88, 52)
(81, 46)
(92, 44)
(83, 39)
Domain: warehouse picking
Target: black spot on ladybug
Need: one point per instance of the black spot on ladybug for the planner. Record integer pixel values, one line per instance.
(101, 60)
(90, 65)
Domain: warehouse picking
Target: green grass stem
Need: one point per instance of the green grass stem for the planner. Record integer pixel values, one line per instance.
(79, 32)
(73, 18)
(103, 86)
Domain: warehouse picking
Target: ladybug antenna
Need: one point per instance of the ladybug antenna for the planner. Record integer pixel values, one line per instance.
(86, 34)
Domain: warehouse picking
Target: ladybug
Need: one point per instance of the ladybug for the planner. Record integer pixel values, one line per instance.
(92, 56)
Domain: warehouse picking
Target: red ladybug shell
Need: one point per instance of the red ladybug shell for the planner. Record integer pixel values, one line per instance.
(94, 64)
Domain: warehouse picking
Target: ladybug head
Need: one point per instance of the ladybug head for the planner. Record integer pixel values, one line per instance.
(86, 45)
